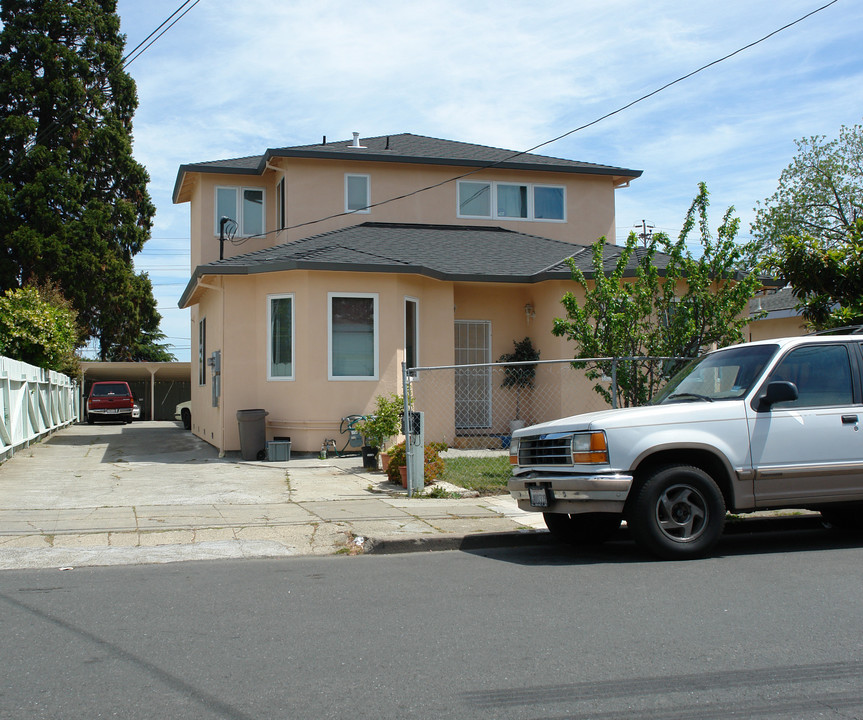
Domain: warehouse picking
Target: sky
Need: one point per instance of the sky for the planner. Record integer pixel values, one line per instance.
(235, 77)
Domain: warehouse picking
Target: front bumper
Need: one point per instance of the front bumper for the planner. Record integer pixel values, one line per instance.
(109, 413)
(572, 493)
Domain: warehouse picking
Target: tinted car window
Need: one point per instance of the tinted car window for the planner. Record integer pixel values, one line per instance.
(109, 389)
(822, 374)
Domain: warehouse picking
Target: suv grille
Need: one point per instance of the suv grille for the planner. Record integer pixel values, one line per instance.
(545, 450)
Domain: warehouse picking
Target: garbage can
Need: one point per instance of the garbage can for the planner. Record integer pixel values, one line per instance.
(253, 433)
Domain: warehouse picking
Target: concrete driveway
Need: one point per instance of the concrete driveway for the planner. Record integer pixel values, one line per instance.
(152, 492)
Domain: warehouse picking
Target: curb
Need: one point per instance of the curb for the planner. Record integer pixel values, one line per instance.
(472, 541)
(536, 538)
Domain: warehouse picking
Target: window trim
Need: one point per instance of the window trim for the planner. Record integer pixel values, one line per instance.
(238, 208)
(365, 210)
(376, 336)
(202, 351)
(270, 376)
(416, 339)
(493, 203)
(281, 219)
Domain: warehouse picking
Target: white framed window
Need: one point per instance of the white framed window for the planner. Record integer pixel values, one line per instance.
(280, 337)
(352, 330)
(512, 201)
(281, 219)
(357, 193)
(245, 206)
(412, 332)
(202, 351)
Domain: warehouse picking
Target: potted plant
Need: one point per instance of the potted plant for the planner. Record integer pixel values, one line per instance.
(433, 463)
(381, 426)
(519, 376)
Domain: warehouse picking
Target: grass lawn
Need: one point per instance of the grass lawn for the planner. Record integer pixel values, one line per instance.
(486, 475)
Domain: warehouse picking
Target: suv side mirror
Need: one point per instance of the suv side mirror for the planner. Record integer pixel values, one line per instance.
(777, 391)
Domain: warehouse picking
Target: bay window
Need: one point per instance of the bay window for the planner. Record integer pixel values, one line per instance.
(353, 336)
(280, 337)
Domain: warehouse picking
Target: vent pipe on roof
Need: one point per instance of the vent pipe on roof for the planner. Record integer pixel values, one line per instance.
(325, 140)
(356, 141)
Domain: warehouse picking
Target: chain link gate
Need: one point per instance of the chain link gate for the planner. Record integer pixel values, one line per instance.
(473, 409)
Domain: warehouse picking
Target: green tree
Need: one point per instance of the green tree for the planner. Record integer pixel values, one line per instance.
(820, 193)
(660, 301)
(812, 226)
(38, 326)
(826, 277)
(74, 207)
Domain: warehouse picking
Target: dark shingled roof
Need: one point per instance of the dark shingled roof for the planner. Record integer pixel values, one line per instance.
(444, 252)
(406, 148)
(781, 301)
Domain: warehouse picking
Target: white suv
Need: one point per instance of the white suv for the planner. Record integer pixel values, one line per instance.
(763, 425)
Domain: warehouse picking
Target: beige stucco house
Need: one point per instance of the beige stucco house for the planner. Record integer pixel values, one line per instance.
(352, 257)
(775, 315)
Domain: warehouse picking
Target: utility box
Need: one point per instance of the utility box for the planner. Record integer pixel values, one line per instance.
(279, 450)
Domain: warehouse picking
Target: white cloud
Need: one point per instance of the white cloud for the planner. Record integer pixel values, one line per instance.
(233, 78)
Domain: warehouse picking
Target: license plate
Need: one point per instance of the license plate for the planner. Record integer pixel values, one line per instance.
(538, 496)
(112, 411)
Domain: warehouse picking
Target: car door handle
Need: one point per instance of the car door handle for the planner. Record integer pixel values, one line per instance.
(849, 419)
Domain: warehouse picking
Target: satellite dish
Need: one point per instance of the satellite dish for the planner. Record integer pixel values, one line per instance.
(227, 230)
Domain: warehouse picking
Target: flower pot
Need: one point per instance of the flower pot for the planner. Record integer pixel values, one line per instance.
(385, 461)
(403, 470)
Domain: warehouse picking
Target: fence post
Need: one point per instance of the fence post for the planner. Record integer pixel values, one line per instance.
(614, 383)
(406, 426)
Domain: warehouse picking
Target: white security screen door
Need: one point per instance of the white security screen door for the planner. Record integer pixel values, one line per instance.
(472, 385)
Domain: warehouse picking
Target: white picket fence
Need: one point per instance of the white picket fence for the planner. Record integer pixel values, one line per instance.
(33, 403)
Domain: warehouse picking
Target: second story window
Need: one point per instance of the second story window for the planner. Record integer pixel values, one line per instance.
(243, 205)
(512, 201)
(357, 193)
(281, 220)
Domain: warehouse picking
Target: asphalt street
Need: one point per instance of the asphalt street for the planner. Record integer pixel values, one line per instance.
(767, 628)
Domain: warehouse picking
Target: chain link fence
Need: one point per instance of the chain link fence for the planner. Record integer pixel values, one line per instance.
(474, 409)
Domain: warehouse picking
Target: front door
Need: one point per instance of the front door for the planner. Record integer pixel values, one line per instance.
(472, 384)
(810, 448)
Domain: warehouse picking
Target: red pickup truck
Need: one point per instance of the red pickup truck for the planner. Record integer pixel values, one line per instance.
(110, 401)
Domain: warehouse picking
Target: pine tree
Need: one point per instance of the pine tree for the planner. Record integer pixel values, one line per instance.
(74, 206)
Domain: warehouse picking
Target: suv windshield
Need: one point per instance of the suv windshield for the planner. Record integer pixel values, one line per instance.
(721, 375)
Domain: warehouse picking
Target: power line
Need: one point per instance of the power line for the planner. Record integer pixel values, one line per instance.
(563, 135)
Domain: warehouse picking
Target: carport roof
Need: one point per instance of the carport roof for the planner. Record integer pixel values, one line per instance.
(170, 371)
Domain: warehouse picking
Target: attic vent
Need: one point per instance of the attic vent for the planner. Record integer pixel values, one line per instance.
(356, 142)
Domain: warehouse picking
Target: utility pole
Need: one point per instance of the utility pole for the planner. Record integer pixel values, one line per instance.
(646, 232)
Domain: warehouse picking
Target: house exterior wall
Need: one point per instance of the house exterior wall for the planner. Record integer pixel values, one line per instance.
(309, 408)
(777, 327)
(316, 189)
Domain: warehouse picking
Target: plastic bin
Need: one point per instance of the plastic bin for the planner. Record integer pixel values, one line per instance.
(253, 433)
(279, 450)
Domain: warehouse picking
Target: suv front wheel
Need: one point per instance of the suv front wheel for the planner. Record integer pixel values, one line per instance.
(678, 513)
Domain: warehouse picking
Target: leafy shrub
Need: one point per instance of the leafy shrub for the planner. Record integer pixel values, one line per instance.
(434, 464)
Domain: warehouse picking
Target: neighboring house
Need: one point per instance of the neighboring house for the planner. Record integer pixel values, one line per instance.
(776, 315)
(353, 257)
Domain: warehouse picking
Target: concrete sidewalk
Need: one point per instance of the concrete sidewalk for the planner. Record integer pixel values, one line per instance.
(151, 492)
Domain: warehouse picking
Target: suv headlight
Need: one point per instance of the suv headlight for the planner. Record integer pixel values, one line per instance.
(513, 451)
(589, 448)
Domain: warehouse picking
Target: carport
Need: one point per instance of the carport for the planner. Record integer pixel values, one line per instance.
(162, 385)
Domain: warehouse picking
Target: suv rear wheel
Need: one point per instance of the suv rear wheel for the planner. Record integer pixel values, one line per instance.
(678, 513)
